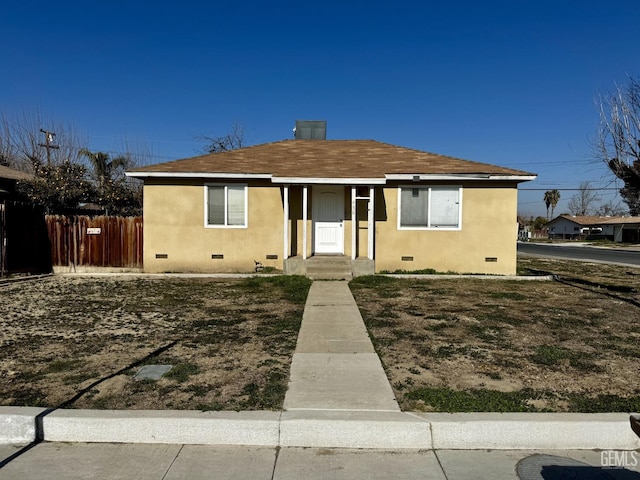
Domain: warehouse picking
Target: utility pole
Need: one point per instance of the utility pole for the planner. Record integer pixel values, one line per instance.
(48, 138)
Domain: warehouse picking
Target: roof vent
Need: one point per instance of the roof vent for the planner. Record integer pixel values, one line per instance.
(310, 130)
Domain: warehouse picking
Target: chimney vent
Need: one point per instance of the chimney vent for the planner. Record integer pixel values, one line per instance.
(310, 130)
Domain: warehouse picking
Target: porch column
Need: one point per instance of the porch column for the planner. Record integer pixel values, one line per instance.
(354, 223)
(285, 226)
(370, 224)
(304, 221)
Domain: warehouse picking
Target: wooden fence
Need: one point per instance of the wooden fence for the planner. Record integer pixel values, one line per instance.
(95, 241)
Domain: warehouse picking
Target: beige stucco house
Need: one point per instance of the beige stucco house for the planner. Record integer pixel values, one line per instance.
(382, 206)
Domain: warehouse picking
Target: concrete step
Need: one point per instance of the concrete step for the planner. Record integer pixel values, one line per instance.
(329, 268)
(330, 276)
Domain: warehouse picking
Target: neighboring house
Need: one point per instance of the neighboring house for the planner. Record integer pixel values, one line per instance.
(24, 242)
(580, 227)
(575, 227)
(623, 229)
(8, 179)
(387, 207)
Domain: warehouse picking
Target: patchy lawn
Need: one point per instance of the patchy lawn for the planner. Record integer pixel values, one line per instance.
(447, 345)
(493, 345)
(230, 341)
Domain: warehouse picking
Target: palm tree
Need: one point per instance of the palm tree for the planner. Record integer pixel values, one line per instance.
(103, 167)
(551, 199)
(555, 198)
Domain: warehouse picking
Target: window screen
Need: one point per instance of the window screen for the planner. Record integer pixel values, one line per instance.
(226, 205)
(216, 206)
(414, 207)
(430, 207)
(235, 205)
(444, 207)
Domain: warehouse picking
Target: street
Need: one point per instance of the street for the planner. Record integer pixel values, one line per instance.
(581, 252)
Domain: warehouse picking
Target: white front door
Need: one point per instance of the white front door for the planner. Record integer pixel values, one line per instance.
(328, 219)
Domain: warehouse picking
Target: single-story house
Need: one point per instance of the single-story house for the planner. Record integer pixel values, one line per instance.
(383, 206)
(623, 229)
(8, 179)
(573, 227)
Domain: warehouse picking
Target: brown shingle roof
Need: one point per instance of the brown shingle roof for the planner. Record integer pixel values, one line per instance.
(620, 221)
(327, 159)
(10, 173)
(589, 220)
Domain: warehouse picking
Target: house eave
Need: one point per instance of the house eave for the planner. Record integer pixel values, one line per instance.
(335, 180)
(329, 181)
(459, 176)
(198, 175)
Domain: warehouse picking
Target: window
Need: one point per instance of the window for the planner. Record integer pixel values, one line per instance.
(430, 207)
(226, 206)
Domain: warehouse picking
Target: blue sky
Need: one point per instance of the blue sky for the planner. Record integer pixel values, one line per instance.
(506, 82)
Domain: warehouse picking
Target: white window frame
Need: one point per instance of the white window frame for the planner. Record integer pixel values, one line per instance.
(430, 188)
(226, 199)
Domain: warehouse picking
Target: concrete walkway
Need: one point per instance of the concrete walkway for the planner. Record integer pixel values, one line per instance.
(334, 366)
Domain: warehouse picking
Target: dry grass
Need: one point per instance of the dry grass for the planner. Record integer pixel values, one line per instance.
(447, 345)
(473, 344)
(230, 341)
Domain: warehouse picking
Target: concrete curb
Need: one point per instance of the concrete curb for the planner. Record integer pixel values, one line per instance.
(513, 431)
(170, 426)
(325, 428)
(345, 429)
(18, 424)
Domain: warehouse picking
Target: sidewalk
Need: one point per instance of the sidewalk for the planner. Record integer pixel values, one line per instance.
(58, 461)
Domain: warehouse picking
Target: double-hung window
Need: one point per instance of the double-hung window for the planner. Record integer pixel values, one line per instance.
(226, 206)
(423, 207)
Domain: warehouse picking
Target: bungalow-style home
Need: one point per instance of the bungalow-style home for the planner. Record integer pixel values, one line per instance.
(623, 229)
(8, 179)
(284, 204)
(574, 227)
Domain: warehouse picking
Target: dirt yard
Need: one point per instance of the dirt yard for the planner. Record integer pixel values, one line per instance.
(230, 341)
(447, 345)
(467, 344)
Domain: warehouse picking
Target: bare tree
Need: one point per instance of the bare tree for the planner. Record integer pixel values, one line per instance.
(617, 142)
(611, 209)
(231, 141)
(582, 202)
(22, 140)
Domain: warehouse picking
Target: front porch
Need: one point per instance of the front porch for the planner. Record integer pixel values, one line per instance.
(328, 229)
(329, 267)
